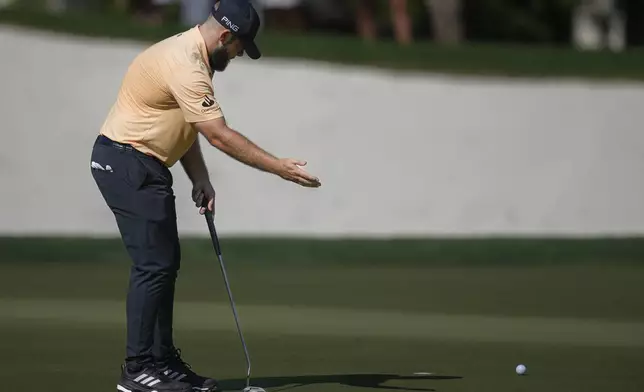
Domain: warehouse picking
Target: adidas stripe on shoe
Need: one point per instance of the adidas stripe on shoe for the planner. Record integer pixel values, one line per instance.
(175, 368)
(149, 379)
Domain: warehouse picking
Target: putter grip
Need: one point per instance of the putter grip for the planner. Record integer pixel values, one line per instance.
(213, 232)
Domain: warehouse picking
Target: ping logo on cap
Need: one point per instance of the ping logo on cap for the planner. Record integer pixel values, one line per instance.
(230, 24)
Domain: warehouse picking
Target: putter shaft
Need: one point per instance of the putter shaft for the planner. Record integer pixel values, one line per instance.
(215, 242)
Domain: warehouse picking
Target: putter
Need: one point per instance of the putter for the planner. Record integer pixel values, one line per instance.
(215, 242)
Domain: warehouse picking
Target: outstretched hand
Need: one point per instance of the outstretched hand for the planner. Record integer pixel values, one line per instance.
(291, 170)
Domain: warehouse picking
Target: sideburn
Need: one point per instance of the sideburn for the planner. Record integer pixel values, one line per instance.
(219, 58)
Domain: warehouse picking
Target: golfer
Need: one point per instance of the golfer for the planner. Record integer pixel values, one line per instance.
(166, 99)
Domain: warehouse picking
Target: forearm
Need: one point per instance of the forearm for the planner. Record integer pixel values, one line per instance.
(194, 165)
(242, 149)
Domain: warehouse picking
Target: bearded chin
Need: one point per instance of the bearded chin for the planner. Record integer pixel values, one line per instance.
(219, 59)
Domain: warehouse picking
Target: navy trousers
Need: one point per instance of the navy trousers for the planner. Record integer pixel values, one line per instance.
(138, 190)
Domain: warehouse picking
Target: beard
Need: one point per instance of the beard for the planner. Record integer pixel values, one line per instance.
(219, 59)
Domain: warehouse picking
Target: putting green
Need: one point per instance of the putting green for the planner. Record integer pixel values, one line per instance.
(340, 328)
(314, 322)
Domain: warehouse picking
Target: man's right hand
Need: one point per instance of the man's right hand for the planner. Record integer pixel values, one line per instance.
(290, 170)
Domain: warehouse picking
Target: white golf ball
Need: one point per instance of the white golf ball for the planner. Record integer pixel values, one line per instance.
(521, 369)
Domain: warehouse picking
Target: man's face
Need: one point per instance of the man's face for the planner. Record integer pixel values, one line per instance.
(229, 48)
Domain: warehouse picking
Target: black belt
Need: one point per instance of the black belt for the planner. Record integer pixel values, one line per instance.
(102, 139)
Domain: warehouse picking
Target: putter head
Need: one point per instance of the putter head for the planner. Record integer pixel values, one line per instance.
(254, 389)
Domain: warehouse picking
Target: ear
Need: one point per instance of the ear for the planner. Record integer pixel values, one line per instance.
(226, 37)
(230, 40)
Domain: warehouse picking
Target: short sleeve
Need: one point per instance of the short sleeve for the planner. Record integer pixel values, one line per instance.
(194, 93)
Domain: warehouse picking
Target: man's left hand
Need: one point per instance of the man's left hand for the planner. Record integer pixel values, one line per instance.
(201, 192)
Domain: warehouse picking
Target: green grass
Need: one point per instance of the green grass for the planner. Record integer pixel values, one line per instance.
(301, 364)
(593, 290)
(338, 327)
(436, 251)
(324, 364)
(469, 59)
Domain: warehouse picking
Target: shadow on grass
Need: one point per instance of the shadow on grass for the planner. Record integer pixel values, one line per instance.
(375, 381)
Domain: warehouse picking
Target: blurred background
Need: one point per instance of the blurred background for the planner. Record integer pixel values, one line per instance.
(423, 118)
(586, 24)
(502, 93)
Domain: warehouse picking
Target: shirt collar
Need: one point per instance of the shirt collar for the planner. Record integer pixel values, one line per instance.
(201, 43)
